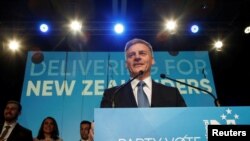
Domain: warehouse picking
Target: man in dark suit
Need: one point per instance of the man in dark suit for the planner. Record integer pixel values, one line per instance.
(15, 131)
(139, 59)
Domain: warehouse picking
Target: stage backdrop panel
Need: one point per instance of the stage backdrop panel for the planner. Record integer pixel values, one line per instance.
(164, 124)
(69, 85)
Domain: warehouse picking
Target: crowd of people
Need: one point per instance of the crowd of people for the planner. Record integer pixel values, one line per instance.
(11, 130)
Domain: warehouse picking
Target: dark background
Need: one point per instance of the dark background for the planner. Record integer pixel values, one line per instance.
(219, 19)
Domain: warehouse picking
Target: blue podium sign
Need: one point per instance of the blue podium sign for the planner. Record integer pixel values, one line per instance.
(164, 124)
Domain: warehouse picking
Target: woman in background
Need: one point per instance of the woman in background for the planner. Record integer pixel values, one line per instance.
(48, 131)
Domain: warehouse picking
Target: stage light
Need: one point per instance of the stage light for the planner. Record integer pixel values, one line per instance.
(75, 26)
(171, 26)
(13, 45)
(194, 28)
(44, 28)
(218, 45)
(119, 28)
(247, 30)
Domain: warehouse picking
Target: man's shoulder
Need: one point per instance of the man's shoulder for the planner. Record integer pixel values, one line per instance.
(161, 86)
(112, 88)
(24, 129)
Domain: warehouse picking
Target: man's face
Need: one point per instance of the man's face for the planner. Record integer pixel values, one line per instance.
(11, 112)
(139, 58)
(84, 131)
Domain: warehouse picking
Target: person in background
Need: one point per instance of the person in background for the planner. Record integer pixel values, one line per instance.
(142, 91)
(48, 130)
(85, 127)
(11, 130)
(91, 132)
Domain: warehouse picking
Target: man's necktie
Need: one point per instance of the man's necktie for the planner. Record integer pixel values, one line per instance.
(4, 132)
(141, 96)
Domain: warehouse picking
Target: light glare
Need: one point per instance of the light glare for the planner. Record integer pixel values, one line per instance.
(75, 26)
(218, 45)
(171, 25)
(194, 28)
(14, 45)
(247, 30)
(119, 28)
(44, 27)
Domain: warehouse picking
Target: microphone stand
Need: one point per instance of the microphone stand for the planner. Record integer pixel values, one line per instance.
(122, 86)
(216, 101)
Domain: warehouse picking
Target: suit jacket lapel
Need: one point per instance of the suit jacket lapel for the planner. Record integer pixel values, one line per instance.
(1, 127)
(155, 94)
(126, 97)
(13, 133)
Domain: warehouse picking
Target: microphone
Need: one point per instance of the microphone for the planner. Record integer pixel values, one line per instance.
(123, 85)
(216, 101)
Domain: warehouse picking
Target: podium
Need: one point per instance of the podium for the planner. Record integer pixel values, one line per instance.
(164, 124)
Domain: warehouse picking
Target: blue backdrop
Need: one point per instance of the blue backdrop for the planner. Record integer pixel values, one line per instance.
(69, 85)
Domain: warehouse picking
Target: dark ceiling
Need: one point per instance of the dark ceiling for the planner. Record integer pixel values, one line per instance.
(222, 19)
(218, 18)
(136, 10)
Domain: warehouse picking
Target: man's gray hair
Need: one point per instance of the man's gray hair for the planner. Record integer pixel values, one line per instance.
(135, 41)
